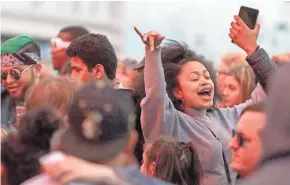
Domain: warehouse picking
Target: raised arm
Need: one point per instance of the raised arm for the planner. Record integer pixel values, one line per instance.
(257, 58)
(157, 109)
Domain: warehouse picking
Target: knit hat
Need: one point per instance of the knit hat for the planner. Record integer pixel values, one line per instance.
(100, 121)
(20, 50)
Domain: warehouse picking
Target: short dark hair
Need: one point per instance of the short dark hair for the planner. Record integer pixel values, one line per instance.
(256, 107)
(175, 54)
(75, 31)
(95, 49)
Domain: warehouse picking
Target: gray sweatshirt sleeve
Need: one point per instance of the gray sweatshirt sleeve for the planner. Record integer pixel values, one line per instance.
(263, 68)
(157, 108)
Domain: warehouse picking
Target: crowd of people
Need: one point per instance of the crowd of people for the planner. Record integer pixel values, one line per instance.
(169, 118)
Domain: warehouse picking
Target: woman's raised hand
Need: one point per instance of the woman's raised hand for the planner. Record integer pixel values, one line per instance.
(151, 39)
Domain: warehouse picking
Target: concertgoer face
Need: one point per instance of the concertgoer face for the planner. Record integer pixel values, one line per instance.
(80, 70)
(195, 86)
(126, 77)
(245, 158)
(17, 88)
(231, 94)
(59, 56)
(222, 73)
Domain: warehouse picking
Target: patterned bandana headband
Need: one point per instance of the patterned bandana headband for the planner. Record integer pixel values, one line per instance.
(13, 59)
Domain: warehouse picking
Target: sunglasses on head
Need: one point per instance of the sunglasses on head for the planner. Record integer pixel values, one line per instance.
(240, 138)
(14, 73)
(58, 43)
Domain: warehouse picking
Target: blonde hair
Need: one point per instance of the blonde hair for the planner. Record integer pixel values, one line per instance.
(54, 92)
(246, 78)
(233, 59)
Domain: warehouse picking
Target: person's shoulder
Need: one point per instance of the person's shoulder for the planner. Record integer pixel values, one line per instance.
(132, 175)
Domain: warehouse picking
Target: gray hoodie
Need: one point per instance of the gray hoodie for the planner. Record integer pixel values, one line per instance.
(275, 166)
(210, 131)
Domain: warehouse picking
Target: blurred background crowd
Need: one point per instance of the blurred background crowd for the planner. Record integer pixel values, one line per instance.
(117, 92)
(197, 22)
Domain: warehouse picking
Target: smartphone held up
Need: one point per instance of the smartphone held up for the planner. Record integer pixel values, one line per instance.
(249, 16)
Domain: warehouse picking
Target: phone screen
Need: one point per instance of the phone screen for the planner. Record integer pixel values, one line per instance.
(249, 16)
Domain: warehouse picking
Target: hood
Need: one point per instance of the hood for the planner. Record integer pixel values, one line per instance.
(276, 134)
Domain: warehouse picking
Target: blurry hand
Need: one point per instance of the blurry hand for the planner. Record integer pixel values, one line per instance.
(282, 58)
(72, 168)
(243, 36)
(151, 39)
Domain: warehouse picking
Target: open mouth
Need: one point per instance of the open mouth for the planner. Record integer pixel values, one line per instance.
(205, 93)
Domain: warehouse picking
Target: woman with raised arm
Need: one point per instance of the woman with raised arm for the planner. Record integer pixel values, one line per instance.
(196, 119)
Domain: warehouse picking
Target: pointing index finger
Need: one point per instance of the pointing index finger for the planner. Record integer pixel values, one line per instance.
(138, 32)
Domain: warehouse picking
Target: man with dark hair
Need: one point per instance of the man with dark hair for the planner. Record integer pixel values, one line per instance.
(92, 57)
(246, 142)
(20, 67)
(59, 45)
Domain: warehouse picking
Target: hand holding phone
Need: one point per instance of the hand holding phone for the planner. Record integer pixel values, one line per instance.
(241, 32)
(249, 16)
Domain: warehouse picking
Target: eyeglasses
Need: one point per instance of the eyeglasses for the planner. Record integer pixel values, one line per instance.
(58, 43)
(240, 138)
(15, 73)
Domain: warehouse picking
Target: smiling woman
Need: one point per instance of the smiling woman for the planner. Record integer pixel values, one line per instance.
(187, 78)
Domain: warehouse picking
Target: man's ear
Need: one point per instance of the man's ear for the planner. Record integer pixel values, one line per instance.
(37, 70)
(99, 71)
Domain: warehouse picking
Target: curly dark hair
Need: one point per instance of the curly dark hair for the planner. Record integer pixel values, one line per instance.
(21, 151)
(95, 49)
(175, 54)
